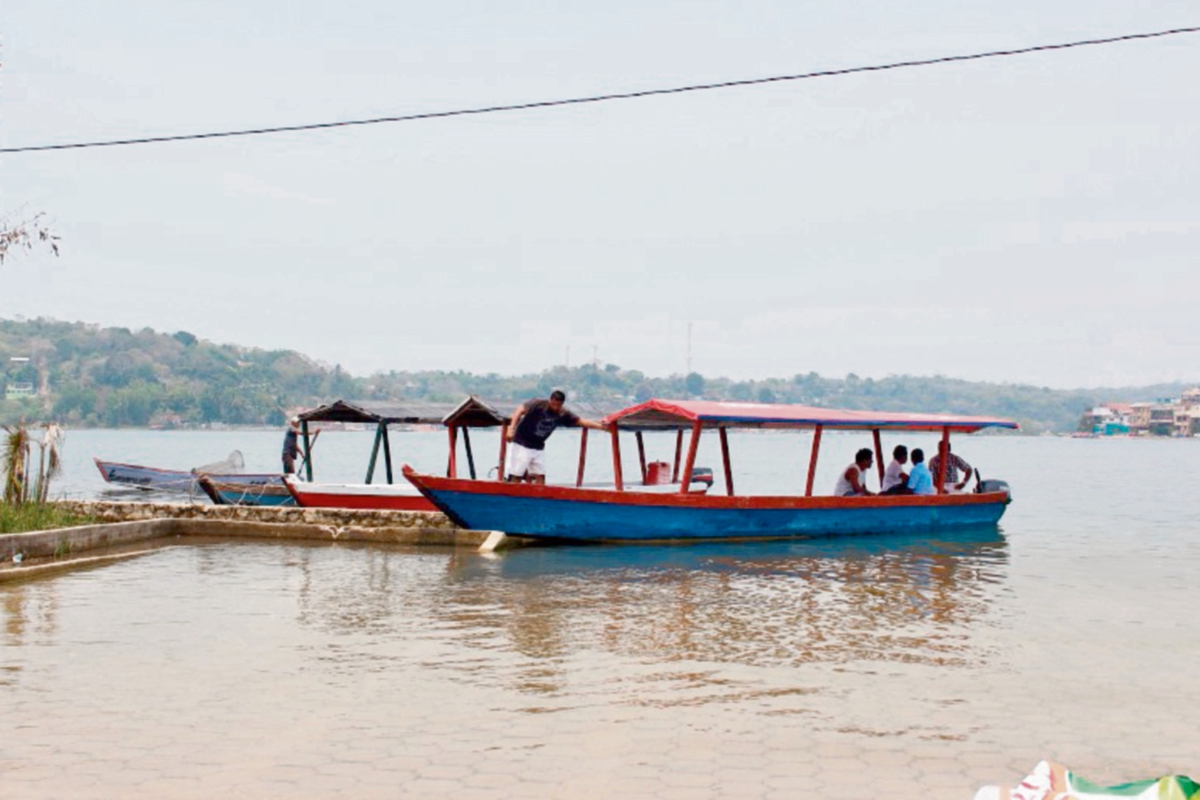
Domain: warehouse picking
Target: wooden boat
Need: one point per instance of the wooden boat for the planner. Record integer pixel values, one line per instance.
(471, 413)
(684, 511)
(227, 493)
(170, 480)
(380, 496)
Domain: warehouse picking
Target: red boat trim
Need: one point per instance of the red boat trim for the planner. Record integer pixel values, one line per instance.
(326, 499)
(427, 483)
(673, 414)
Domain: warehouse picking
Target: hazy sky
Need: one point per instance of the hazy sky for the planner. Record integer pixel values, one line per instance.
(1032, 219)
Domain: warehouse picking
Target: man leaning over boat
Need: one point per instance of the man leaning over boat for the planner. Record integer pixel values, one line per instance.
(530, 427)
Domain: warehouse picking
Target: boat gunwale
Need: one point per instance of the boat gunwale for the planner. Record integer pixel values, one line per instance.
(179, 473)
(632, 497)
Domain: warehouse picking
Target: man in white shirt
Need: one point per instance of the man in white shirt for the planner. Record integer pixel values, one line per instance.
(895, 479)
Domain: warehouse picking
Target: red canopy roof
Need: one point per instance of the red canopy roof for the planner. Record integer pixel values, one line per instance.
(682, 413)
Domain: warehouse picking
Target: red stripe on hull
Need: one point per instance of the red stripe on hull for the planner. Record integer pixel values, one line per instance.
(308, 499)
(692, 500)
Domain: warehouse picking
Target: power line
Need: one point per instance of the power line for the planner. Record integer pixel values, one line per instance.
(600, 98)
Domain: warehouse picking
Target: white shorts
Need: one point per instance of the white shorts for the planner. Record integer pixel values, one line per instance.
(524, 461)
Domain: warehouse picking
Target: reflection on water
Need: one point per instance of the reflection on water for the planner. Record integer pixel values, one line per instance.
(760, 605)
(351, 656)
(272, 670)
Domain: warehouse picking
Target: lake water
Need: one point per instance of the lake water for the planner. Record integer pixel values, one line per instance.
(843, 668)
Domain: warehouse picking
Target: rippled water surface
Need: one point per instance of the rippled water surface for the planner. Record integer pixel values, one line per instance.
(840, 668)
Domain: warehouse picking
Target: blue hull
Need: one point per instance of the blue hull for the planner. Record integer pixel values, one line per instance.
(579, 519)
(253, 496)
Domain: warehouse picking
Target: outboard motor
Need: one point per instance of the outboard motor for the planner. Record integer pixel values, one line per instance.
(994, 486)
(702, 476)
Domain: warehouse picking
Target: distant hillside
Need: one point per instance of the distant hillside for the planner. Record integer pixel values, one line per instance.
(85, 375)
(88, 375)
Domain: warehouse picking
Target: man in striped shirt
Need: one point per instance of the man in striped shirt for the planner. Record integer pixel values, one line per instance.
(954, 465)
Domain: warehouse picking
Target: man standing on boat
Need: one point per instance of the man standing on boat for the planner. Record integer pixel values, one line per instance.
(291, 446)
(953, 465)
(530, 427)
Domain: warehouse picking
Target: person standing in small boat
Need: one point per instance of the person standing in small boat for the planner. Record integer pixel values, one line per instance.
(954, 464)
(530, 427)
(852, 481)
(291, 446)
(895, 479)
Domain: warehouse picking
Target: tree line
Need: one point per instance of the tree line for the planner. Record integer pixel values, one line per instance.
(86, 375)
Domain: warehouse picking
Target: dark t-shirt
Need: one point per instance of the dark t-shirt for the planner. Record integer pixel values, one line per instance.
(291, 447)
(539, 422)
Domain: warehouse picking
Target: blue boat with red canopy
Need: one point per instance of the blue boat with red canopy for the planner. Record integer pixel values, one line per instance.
(668, 503)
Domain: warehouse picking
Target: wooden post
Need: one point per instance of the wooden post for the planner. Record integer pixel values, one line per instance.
(878, 456)
(452, 464)
(374, 453)
(583, 436)
(616, 456)
(678, 455)
(943, 457)
(812, 462)
(690, 464)
(470, 455)
(387, 452)
(725, 458)
(307, 451)
(503, 448)
(641, 454)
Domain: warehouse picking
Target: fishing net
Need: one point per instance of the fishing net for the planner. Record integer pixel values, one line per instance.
(231, 465)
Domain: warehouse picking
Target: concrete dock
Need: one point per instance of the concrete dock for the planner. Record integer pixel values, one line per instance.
(126, 527)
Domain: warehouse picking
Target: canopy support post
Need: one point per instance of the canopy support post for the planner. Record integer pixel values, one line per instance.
(470, 455)
(307, 450)
(641, 454)
(616, 456)
(387, 451)
(452, 464)
(878, 455)
(583, 437)
(503, 448)
(812, 461)
(690, 464)
(678, 455)
(374, 452)
(725, 458)
(943, 457)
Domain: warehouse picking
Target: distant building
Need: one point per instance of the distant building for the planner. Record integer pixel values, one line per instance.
(1187, 413)
(1166, 417)
(17, 390)
(1108, 419)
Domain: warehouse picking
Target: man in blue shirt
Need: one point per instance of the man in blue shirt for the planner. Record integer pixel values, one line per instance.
(920, 481)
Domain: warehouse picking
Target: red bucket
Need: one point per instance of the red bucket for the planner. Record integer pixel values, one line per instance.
(658, 472)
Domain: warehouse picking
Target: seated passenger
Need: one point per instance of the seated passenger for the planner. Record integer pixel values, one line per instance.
(852, 482)
(920, 481)
(895, 479)
(953, 465)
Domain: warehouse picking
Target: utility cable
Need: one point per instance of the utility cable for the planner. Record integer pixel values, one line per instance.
(601, 98)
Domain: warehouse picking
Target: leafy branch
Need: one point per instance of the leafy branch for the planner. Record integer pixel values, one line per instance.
(26, 235)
